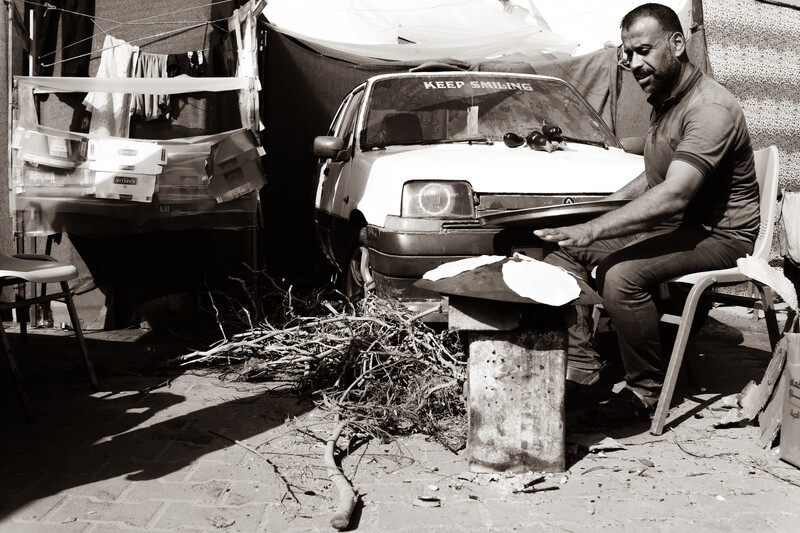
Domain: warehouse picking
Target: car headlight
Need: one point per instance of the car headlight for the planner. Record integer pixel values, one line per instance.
(437, 199)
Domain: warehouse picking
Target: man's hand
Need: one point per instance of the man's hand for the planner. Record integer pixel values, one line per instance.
(577, 235)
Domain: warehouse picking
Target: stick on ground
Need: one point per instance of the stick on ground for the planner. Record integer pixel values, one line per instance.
(347, 496)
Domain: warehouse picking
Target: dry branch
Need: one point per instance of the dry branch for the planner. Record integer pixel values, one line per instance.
(373, 361)
(347, 496)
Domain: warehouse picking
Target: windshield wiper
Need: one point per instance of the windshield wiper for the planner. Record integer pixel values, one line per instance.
(470, 140)
(601, 144)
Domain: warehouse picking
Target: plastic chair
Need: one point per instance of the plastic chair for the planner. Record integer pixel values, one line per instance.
(702, 283)
(38, 269)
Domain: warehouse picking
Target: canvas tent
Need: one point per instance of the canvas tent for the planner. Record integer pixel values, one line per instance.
(317, 50)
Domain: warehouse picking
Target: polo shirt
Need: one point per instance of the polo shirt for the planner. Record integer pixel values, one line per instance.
(702, 124)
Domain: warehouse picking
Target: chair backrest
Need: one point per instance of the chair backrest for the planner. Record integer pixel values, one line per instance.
(402, 127)
(767, 175)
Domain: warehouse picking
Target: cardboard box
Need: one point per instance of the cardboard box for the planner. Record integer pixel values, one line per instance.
(175, 194)
(48, 150)
(790, 420)
(54, 183)
(125, 186)
(234, 167)
(125, 155)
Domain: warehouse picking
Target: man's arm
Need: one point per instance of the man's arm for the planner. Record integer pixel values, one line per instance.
(655, 205)
(635, 188)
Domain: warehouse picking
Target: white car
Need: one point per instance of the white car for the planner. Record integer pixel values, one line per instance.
(412, 161)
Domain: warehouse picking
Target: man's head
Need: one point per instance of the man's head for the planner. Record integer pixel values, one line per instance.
(653, 48)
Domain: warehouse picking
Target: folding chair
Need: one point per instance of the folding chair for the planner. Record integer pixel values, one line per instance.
(702, 283)
(38, 269)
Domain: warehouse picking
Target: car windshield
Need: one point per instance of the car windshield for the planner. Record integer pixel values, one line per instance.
(475, 108)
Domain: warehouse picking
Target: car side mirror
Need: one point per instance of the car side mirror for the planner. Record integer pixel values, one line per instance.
(327, 147)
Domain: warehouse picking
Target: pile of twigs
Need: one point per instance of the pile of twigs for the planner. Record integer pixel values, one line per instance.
(372, 361)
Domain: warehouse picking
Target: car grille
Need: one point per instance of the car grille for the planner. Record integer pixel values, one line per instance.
(490, 203)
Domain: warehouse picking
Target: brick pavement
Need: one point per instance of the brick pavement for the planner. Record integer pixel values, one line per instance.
(167, 460)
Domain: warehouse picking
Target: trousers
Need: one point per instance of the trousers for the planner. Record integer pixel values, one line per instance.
(77, 29)
(628, 273)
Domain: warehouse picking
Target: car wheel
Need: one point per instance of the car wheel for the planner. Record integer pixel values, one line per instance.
(358, 275)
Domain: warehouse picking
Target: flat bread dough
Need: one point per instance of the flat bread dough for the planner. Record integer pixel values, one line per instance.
(453, 268)
(540, 281)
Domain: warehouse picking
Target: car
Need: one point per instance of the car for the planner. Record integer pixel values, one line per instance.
(412, 161)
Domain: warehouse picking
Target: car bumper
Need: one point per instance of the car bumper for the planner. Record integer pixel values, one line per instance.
(403, 250)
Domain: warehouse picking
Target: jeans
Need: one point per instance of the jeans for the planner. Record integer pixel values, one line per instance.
(629, 272)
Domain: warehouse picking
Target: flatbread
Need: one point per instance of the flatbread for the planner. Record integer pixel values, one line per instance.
(454, 268)
(540, 281)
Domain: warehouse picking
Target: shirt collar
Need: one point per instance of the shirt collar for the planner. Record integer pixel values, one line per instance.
(679, 92)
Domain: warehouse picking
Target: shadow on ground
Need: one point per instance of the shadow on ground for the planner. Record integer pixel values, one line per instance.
(123, 430)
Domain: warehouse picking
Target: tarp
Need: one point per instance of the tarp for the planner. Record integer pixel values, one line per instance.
(420, 29)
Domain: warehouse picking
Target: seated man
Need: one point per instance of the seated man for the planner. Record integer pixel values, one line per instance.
(694, 208)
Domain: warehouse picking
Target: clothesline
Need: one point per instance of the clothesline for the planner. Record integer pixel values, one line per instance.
(162, 34)
(189, 25)
(50, 7)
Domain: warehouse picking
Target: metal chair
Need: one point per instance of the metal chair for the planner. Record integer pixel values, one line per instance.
(38, 269)
(702, 283)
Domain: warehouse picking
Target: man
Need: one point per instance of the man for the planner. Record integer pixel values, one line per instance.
(694, 208)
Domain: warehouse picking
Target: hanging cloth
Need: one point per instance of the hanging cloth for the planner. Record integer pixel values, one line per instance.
(151, 106)
(111, 112)
(77, 29)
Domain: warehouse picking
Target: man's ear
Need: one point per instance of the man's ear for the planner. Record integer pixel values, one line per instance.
(679, 43)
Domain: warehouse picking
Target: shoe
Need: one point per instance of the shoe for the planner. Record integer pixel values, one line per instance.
(574, 390)
(622, 409)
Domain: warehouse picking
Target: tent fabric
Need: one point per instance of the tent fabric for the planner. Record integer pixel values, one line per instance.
(419, 29)
(374, 28)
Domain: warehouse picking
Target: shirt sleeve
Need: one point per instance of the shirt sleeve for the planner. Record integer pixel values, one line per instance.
(708, 133)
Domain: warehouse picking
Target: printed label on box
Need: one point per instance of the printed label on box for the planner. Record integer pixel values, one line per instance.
(108, 155)
(130, 187)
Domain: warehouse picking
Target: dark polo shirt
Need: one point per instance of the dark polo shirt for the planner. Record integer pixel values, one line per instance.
(702, 124)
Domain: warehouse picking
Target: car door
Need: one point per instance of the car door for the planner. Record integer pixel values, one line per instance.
(334, 173)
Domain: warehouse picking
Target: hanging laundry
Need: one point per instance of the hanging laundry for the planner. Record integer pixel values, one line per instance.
(111, 112)
(151, 106)
(224, 56)
(189, 63)
(77, 28)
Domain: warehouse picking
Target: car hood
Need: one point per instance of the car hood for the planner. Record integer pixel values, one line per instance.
(580, 169)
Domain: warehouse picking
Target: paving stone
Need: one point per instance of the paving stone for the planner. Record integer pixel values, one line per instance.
(178, 515)
(206, 493)
(256, 471)
(784, 521)
(217, 450)
(290, 520)
(126, 515)
(31, 510)
(403, 516)
(243, 493)
(140, 469)
(18, 526)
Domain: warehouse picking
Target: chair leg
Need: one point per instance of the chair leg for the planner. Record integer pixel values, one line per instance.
(76, 324)
(676, 358)
(790, 326)
(769, 314)
(12, 363)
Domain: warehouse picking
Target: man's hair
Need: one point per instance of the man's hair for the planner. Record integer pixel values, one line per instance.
(665, 16)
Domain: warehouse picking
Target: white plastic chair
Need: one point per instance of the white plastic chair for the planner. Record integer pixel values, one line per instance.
(38, 269)
(702, 283)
